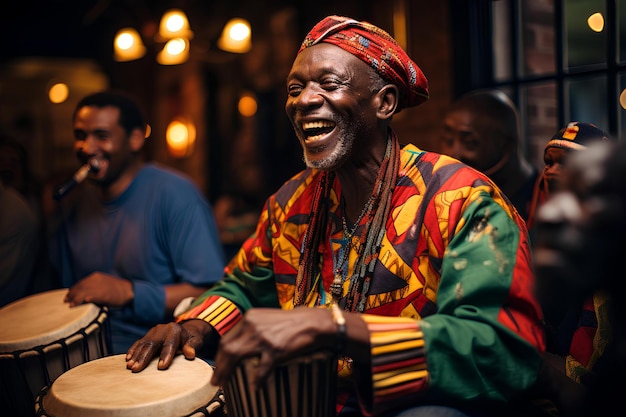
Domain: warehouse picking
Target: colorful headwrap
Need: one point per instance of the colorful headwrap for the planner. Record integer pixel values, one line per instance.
(376, 48)
(577, 136)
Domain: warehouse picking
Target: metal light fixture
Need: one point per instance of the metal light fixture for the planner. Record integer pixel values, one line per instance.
(174, 24)
(236, 36)
(128, 46)
(175, 32)
(175, 51)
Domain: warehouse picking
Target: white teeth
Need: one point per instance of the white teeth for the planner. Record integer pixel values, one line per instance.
(317, 125)
(314, 138)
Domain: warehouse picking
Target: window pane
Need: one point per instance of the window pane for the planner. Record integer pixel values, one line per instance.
(539, 115)
(621, 29)
(502, 57)
(587, 101)
(584, 33)
(622, 107)
(537, 23)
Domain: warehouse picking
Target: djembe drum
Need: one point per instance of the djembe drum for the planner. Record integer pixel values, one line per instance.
(105, 388)
(41, 337)
(302, 387)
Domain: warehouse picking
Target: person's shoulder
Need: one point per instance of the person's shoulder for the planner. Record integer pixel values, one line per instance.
(158, 182)
(296, 186)
(435, 164)
(298, 180)
(165, 176)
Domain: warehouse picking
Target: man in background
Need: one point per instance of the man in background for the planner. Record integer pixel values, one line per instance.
(482, 129)
(139, 237)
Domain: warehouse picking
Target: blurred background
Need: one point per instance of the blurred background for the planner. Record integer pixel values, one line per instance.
(215, 106)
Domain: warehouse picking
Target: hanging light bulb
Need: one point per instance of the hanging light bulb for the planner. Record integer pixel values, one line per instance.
(236, 36)
(181, 137)
(174, 24)
(175, 51)
(247, 105)
(58, 92)
(128, 45)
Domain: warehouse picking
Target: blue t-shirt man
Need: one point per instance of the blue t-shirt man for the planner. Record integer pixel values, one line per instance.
(159, 231)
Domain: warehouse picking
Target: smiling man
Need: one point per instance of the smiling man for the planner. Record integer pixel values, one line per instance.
(138, 237)
(409, 265)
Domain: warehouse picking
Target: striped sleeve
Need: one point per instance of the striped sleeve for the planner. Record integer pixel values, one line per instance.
(223, 305)
(399, 369)
(219, 312)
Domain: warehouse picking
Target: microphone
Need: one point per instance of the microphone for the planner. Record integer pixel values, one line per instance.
(79, 176)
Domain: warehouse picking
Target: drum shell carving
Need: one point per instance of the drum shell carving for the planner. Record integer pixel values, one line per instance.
(303, 387)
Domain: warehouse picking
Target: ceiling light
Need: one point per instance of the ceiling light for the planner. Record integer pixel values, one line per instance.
(128, 45)
(236, 36)
(174, 24)
(175, 51)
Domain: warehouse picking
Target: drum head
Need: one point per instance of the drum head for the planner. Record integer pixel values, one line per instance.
(105, 388)
(41, 319)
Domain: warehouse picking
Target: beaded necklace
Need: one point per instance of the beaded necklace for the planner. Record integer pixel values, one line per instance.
(336, 287)
(375, 214)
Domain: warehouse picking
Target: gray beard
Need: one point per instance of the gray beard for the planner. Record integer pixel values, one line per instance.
(343, 148)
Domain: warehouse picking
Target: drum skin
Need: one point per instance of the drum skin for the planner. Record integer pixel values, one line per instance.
(41, 337)
(105, 388)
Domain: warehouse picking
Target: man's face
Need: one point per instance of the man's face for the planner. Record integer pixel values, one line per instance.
(98, 135)
(554, 160)
(329, 104)
(470, 138)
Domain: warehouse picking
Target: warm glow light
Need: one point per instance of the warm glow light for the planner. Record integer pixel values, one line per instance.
(174, 24)
(239, 31)
(175, 46)
(247, 105)
(236, 36)
(622, 99)
(176, 51)
(58, 93)
(596, 22)
(181, 137)
(128, 45)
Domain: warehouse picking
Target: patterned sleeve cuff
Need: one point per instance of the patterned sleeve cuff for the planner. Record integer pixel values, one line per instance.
(218, 311)
(399, 370)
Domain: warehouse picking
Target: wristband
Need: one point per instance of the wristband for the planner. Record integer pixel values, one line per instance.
(340, 321)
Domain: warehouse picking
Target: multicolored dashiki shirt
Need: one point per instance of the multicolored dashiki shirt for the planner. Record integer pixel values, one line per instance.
(450, 306)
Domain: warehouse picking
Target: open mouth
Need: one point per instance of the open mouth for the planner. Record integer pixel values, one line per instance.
(96, 166)
(315, 131)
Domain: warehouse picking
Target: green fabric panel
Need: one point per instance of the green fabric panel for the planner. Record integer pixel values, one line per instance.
(462, 338)
(246, 290)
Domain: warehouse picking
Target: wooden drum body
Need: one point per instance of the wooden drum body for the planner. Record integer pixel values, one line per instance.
(302, 387)
(105, 388)
(41, 337)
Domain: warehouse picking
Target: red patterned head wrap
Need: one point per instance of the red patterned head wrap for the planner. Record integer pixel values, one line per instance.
(376, 48)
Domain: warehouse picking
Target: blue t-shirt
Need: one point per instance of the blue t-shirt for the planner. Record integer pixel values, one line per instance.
(159, 231)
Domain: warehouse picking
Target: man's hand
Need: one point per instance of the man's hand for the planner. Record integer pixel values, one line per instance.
(273, 336)
(166, 340)
(102, 289)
